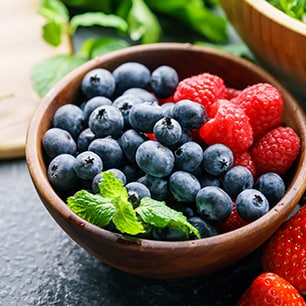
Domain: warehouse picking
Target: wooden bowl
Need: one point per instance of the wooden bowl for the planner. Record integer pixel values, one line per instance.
(160, 259)
(277, 40)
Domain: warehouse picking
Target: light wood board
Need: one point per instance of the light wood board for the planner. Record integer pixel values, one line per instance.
(21, 47)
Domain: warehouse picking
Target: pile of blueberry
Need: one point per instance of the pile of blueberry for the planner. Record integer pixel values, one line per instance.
(122, 127)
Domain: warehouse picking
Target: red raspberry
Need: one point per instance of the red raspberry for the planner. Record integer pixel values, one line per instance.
(245, 159)
(231, 93)
(204, 88)
(276, 151)
(229, 126)
(263, 104)
(232, 222)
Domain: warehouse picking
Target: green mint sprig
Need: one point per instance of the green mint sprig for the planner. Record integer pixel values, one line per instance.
(112, 205)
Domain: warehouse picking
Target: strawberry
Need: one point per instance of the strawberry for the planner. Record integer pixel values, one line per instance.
(270, 289)
(285, 252)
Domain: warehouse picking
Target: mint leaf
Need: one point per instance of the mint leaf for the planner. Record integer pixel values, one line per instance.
(111, 187)
(159, 214)
(125, 218)
(107, 44)
(92, 207)
(47, 73)
(97, 18)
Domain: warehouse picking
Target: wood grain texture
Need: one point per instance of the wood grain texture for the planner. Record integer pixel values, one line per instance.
(277, 40)
(21, 47)
(158, 259)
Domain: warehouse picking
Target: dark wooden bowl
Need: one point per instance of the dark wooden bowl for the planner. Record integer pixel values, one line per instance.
(159, 259)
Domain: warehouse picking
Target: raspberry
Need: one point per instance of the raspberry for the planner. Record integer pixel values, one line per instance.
(231, 93)
(229, 126)
(245, 159)
(204, 88)
(263, 104)
(232, 222)
(275, 151)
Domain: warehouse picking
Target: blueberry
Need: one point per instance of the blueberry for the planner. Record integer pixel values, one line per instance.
(158, 186)
(108, 150)
(186, 210)
(124, 103)
(213, 204)
(251, 204)
(236, 180)
(189, 114)
(189, 156)
(185, 137)
(84, 139)
(137, 191)
(272, 186)
(164, 80)
(172, 232)
(132, 172)
(131, 74)
(167, 109)
(69, 117)
(184, 186)
(106, 120)
(204, 228)
(129, 141)
(167, 131)
(98, 82)
(87, 164)
(142, 117)
(217, 159)
(154, 158)
(57, 141)
(61, 172)
(142, 93)
(93, 103)
(207, 179)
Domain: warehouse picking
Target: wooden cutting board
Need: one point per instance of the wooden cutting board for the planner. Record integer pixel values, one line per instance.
(21, 47)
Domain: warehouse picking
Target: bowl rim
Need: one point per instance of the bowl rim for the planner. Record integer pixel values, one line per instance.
(267, 9)
(51, 199)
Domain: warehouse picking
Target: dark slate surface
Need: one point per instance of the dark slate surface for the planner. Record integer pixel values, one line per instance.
(41, 265)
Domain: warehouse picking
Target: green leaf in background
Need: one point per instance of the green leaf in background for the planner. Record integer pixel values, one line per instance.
(97, 18)
(92, 207)
(52, 33)
(293, 8)
(160, 215)
(98, 46)
(47, 73)
(194, 14)
(143, 24)
(53, 10)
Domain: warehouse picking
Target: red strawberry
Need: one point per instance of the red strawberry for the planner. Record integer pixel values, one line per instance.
(285, 252)
(276, 151)
(232, 222)
(245, 159)
(270, 289)
(204, 88)
(263, 104)
(229, 125)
